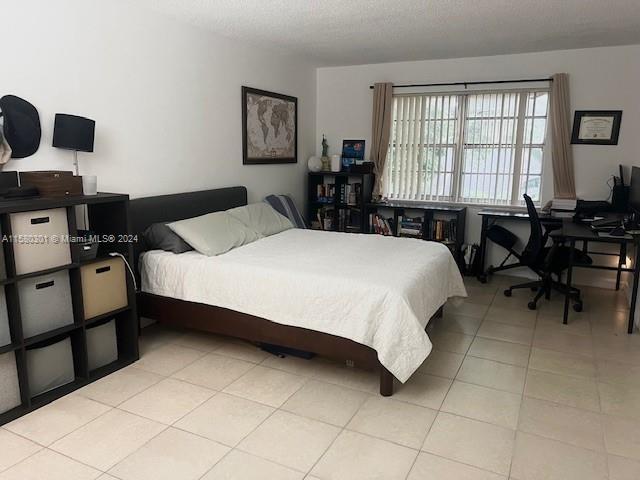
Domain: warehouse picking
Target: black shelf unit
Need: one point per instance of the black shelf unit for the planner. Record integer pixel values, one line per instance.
(428, 214)
(345, 215)
(108, 215)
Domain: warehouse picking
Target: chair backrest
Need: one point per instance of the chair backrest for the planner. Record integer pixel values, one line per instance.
(536, 241)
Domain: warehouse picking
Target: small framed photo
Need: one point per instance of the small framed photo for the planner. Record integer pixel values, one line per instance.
(596, 127)
(352, 153)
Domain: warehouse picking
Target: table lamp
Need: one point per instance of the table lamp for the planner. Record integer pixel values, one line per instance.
(74, 133)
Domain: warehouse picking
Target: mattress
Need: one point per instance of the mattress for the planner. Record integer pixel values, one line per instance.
(375, 290)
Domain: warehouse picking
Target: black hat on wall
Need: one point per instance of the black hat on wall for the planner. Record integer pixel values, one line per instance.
(21, 126)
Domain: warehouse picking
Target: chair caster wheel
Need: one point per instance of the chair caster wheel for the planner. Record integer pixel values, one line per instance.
(577, 307)
(482, 278)
(531, 305)
(507, 293)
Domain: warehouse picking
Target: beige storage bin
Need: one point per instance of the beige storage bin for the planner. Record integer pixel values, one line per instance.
(50, 367)
(104, 287)
(102, 345)
(34, 245)
(9, 386)
(5, 333)
(45, 303)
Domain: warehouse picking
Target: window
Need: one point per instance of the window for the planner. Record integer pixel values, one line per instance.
(467, 147)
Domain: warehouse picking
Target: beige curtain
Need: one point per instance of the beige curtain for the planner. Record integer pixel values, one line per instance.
(564, 183)
(380, 130)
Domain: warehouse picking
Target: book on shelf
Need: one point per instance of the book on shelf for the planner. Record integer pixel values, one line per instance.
(410, 227)
(350, 193)
(324, 219)
(325, 192)
(444, 231)
(380, 225)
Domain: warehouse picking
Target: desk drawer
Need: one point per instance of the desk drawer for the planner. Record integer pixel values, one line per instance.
(50, 366)
(9, 387)
(104, 287)
(36, 251)
(45, 303)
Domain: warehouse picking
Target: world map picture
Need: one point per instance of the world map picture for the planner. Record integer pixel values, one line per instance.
(269, 124)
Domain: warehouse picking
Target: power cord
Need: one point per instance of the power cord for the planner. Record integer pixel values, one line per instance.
(133, 277)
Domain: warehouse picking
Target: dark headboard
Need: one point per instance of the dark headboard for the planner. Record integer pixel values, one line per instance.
(169, 208)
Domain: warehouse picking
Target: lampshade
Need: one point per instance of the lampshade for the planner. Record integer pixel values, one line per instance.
(73, 133)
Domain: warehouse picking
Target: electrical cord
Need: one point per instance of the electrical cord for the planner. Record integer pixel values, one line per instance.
(133, 277)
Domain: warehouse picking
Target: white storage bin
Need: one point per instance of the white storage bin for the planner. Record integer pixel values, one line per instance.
(45, 303)
(5, 333)
(34, 247)
(9, 386)
(102, 345)
(50, 366)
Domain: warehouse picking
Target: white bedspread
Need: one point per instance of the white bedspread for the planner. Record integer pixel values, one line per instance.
(377, 291)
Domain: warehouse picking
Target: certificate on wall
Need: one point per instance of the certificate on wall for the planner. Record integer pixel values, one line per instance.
(596, 127)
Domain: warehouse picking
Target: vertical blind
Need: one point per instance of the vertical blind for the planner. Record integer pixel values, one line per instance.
(467, 147)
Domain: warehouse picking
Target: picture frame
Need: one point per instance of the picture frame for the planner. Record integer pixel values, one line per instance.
(596, 127)
(269, 127)
(352, 153)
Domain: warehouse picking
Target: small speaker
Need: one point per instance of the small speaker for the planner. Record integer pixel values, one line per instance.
(73, 133)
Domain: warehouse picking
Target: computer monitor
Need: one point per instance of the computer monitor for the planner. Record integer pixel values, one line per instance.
(634, 192)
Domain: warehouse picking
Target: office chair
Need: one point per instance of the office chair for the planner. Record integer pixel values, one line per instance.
(507, 240)
(547, 262)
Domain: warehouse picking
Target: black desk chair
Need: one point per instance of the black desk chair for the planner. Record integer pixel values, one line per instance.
(547, 262)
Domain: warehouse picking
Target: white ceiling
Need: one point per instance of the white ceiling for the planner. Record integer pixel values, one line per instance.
(347, 32)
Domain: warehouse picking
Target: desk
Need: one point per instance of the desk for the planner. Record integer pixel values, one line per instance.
(491, 216)
(572, 232)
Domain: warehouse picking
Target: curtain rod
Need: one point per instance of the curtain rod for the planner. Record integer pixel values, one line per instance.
(486, 82)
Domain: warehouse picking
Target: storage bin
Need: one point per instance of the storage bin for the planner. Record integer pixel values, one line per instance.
(45, 303)
(102, 345)
(34, 245)
(50, 366)
(5, 332)
(9, 386)
(104, 287)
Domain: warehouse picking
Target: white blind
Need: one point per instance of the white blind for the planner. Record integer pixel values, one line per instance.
(467, 147)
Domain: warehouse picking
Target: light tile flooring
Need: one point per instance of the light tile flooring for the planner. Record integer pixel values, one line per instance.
(506, 394)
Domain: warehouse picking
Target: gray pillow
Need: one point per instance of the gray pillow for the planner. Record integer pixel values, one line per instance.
(261, 218)
(214, 233)
(160, 237)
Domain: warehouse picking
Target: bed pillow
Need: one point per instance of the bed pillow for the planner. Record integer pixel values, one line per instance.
(261, 218)
(214, 233)
(283, 204)
(160, 237)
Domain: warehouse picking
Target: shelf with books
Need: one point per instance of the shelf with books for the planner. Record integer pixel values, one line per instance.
(335, 200)
(439, 223)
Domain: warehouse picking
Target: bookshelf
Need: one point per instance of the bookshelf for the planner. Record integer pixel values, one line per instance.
(440, 223)
(30, 359)
(337, 200)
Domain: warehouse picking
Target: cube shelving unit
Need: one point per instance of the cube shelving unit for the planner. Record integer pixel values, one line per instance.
(108, 215)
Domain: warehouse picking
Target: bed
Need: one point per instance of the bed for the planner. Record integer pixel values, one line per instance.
(362, 298)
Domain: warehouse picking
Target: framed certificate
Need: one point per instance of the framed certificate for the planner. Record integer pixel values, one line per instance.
(596, 127)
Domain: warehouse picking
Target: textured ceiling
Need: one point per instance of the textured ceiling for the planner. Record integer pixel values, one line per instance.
(341, 32)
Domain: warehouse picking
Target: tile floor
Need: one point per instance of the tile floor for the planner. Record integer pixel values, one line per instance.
(506, 394)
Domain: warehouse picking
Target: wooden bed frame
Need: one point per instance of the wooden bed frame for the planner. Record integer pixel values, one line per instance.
(198, 316)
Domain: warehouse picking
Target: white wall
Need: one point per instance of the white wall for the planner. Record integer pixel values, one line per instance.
(600, 78)
(165, 96)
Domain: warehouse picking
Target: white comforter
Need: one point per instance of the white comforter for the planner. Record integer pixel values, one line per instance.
(377, 291)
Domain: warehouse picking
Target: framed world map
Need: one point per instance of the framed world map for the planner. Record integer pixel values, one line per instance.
(269, 127)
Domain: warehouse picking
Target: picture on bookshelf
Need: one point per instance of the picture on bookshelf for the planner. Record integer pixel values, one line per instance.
(352, 153)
